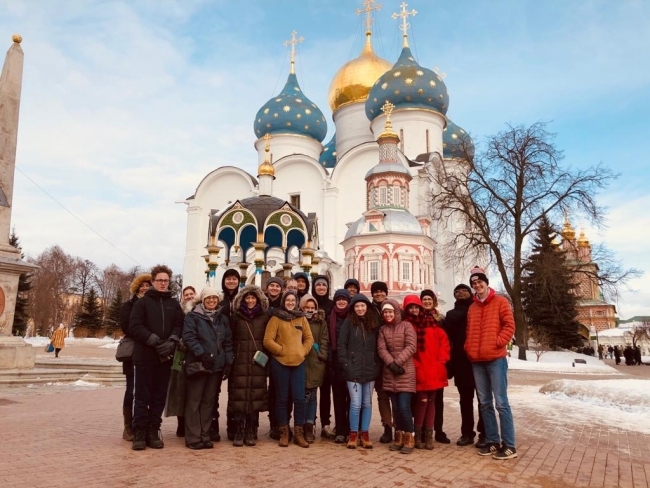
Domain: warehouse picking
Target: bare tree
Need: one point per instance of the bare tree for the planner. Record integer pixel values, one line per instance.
(495, 200)
(84, 276)
(639, 333)
(541, 340)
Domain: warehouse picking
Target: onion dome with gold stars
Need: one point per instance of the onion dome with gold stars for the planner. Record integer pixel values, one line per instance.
(291, 112)
(456, 143)
(408, 85)
(327, 158)
(353, 81)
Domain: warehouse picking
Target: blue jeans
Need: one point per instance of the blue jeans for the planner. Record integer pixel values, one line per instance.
(289, 379)
(360, 404)
(311, 404)
(491, 378)
(401, 403)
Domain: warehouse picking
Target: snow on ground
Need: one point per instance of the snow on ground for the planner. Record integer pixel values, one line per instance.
(564, 410)
(559, 362)
(629, 395)
(78, 384)
(106, 342)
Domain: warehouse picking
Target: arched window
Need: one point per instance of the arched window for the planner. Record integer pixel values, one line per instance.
(397, 195)
(383, 195)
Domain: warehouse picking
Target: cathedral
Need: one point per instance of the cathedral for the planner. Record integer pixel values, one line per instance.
(355, 206)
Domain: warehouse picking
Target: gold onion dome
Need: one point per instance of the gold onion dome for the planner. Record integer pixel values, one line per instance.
(266, 168)
(582, 240)
(353, 81)
(567, 231)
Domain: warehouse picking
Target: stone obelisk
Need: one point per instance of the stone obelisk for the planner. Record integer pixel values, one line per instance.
(14, 351)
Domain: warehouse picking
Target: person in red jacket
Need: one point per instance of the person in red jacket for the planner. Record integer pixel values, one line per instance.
(431, 355)
(490, 326)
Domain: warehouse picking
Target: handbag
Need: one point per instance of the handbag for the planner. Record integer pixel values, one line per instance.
(124, 350)
(259, 357)
(194, 369)
(49, 348)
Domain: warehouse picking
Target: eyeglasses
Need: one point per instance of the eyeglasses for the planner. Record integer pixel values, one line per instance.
(161, 281)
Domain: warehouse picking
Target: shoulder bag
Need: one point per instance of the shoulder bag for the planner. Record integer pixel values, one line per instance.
(259, 357)
(124, 350)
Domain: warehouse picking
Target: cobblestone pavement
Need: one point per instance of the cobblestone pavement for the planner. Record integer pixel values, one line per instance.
(70, 436)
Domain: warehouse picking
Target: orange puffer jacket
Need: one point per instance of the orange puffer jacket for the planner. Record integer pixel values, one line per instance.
(490, 326)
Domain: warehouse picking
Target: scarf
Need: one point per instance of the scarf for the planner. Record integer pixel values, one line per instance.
(340, 313)
(288, 315)
(208, 313)
(428, 318)
(250, 313)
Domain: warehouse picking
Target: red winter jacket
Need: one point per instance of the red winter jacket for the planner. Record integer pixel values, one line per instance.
(430, 359)
(490, 326)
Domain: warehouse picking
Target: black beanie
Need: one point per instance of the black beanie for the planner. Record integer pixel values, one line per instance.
(428, 293)
(462, 286)
(379, 286)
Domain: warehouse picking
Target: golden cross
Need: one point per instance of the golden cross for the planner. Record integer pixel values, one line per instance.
(369, 7)
(293, 43)
(436, 70)
(405, 25)
(267, 142)
(387, 108)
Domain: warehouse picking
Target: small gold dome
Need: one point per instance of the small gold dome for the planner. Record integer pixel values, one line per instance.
(567, 231)
(352, 83)
(582, 240)
(266, 168)
(17, 38)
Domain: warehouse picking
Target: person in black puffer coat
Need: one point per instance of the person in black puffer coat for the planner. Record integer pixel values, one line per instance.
(455, 325)
(139, 287)
(156, 323)
(320, 290)
(206, 333)
(247, 390)
(340, 392)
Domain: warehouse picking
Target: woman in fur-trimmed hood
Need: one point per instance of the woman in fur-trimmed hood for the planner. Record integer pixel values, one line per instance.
(247, 391)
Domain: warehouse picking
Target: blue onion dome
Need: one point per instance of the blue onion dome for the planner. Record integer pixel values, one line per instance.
(408, 85)
(327, 158)
(456, 143)
(291, 112)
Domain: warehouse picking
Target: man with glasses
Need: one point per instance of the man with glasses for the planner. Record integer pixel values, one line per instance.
(156, 323)
(456, 327)
(490, 326)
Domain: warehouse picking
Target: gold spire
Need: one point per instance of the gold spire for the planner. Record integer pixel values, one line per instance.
(582, 240)
(369, 7)
(405, 25)
(17, 38)
(293, 43)
(387, 108)
(266, 168)
(567, 231)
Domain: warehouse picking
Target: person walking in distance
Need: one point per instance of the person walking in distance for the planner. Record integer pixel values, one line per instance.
(156, 323)
(139, 287)
(490, 326)
(456, 326)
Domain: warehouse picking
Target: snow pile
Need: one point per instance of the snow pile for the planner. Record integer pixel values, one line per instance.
(71, 341)
(626, 395)
(110, 345)
(559, 362)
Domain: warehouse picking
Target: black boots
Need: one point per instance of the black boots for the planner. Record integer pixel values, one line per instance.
(249, 433)
(180, 429)
(139, 439)
(238, 440)
(154, 439)
(387, 436)
(127, 435)
(214, 431)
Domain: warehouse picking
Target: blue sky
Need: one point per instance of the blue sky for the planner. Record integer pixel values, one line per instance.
(127, 105)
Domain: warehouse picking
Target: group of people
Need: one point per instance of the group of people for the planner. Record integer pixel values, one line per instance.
(280, 347)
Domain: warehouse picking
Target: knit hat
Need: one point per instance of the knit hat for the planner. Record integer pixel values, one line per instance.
(478, 273)
(387, 306)
(208, 292)
(462, 286)
(343, 293)
(138, 280)
(321, 280)
(428, 293)
(275, 279)
(379, 286)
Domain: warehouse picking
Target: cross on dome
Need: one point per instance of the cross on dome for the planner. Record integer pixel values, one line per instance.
(369, 7)
(293, 43)
(405, 25)
(267, 142)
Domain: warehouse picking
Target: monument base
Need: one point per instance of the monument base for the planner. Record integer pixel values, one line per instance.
(15, 353)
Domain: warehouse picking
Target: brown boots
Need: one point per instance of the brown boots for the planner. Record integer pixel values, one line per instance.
(428, 439)
(127, 435)
(299, 436)
(284, 436)
(399, 441)
(409, 443)
(419, 438)
(309, 433)
(365, 440)
(353, 440)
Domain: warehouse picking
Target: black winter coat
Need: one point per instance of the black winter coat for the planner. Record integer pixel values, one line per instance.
(357, 353)
(455, 324)
(155, 313)
(247, 390)
(204, 334)
(125, 315)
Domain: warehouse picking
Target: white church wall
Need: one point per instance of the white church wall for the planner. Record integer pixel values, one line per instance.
(283, 145)
(352, 127)
(412, 126)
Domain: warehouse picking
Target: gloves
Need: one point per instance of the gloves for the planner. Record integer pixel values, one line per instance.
(207, 360)
(165, 349)
(316, 347)
(174, 339)
(153, 340)
(396, 369)
(226, 372)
